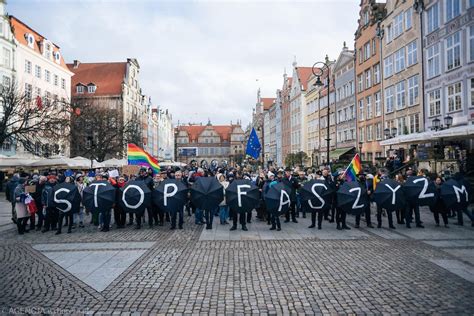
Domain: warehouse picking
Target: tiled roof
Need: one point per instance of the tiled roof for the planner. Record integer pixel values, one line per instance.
(304, 73)
(194, 131)
(108, 77)
(267, 103)
(20, 32)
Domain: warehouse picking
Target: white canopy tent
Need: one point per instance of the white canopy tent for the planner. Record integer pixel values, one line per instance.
(115, 163)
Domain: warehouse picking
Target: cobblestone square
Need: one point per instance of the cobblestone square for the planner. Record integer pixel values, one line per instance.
(191, 271)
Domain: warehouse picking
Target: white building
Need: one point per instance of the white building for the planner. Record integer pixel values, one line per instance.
(7, 65)
(40, 71)
(165, 135)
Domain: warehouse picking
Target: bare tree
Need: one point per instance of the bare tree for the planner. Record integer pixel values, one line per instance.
(99, 131)
(39, 125)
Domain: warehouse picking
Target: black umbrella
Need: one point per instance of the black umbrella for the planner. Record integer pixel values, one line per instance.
(454, 195)
(135, 197)
(99, 196)
(389, 195)
(170, 195)
(207, 193)
(277, 198)
(419, 191)
(317, 195)
(242, 196)
(352, 198)
(66, 197)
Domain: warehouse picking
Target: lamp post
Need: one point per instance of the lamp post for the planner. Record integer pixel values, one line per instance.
(437, 126)
(318, 72)
(360, 148)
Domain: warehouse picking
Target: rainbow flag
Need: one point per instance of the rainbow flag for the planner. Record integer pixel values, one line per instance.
(354, 168)
(137, 156)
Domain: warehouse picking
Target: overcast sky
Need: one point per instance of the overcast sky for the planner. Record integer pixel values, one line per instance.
(199, 59)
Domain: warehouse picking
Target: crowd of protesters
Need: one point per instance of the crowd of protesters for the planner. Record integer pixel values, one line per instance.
(46, 217)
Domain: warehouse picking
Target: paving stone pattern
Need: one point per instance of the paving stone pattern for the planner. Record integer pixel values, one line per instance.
(181, 272)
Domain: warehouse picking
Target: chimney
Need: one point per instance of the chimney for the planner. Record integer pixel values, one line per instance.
(76, 63)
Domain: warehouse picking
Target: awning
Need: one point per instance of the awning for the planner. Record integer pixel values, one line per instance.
(336, 153)
(425, 137)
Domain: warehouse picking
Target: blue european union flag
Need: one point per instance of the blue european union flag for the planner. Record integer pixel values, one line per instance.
(253, 145)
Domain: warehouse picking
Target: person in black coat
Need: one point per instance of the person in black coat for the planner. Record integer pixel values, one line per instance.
(50, 212)
(340, 213)
(327, 177)
(10, 193)
(39, 186)
(439, 207)
(144, 176)
(368, 188)
(292, 182)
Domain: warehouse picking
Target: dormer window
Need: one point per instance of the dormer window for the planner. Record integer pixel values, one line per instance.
(91, 88)
(80, 89)
(30, 40)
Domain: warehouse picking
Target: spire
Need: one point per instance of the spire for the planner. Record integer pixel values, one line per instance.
(209, 122)
(294, 61)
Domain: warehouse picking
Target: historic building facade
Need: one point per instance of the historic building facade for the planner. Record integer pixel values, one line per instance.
(368, 74)
(205, 143)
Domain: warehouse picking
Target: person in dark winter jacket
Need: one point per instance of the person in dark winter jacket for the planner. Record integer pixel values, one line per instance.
(439, 207)
(10, 193)
(49, 211)
(145, 177)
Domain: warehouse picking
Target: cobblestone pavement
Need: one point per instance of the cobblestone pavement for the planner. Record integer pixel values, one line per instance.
(374, 272)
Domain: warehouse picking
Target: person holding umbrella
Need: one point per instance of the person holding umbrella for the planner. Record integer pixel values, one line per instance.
(292, 183)
(439, 207)
(368, 189)
(340, 212)
(144, 176)
(389, 196)
(49, 211)
(207, 194)
(119, 213)
(327, 177)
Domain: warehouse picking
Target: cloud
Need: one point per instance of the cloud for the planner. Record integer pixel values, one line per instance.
(199, 59)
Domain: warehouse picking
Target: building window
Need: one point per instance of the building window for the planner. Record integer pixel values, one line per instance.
(37, 71)
(388, 33)
(368, 81)
(414, 123)
(6, 57)
(398, 25)
(360, 56)
(27, 66)
(471, 94)
(366, 17)
(47, 75)
(369, 133)
(471, 42)
(412, 53)
(28, 92)
(434, 101)
(368, 102)
(413, 90)
(433, 18)
(361, 134)
(454, 92)
(367, 51)
(377, 74)
(374, 46)
(453, 51)
(37, 92)
(389, 100)
(453, 9)
(378, 104)
(401, 126)
(63, 83)
(56, 80)
(388, 66)
(352, 110)
(400, 60)
(378, 131)
(408, 19)
(91, 88)
(400, 90)
(433, 61)
(359, 83)
(361, 110)
(79, 89)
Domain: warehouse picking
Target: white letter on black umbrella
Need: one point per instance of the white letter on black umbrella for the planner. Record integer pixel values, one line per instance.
(423, 194)
(313, 189)
(96, 190)
(167, 194)
(460, 191)
(142, 196)
(61, 201)
(394, 199)
(359, 191)
(283, 193)
(240, 192)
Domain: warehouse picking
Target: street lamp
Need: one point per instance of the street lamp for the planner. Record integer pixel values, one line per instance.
(436, 124)
(448, 121)
(318, 72)
(360, 148)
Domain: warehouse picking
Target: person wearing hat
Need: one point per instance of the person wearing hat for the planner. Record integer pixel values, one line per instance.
(49, 211)
(368, 188)
(292, 183)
